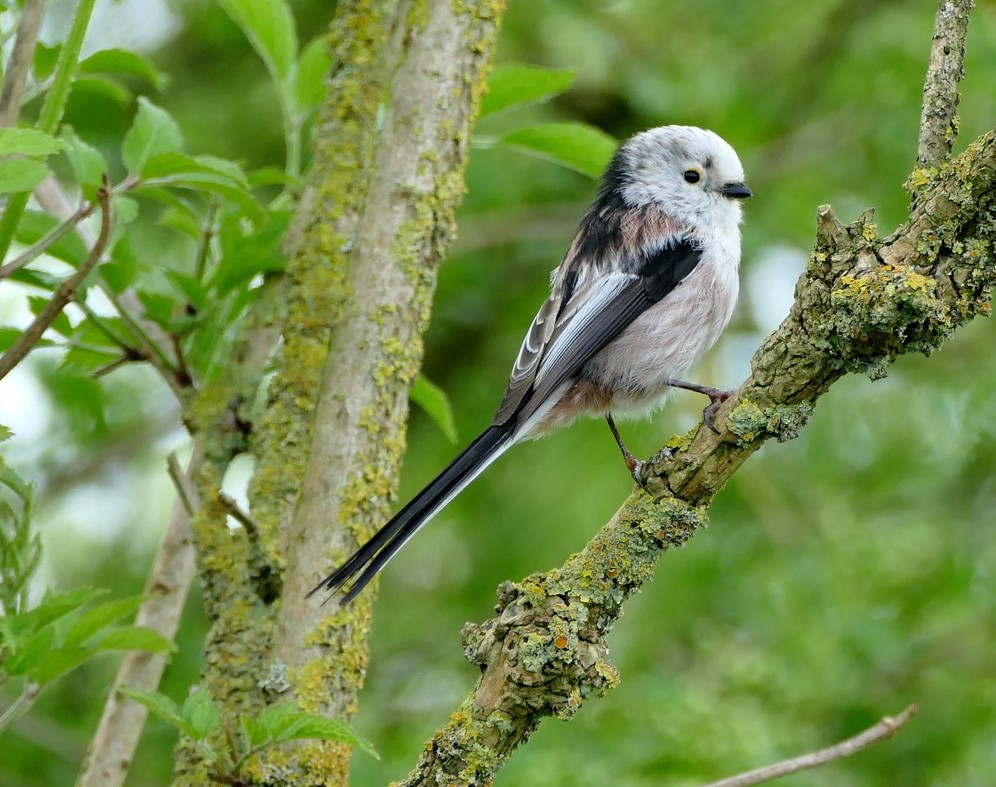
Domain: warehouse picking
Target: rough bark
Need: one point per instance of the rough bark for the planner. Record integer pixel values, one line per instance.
(376, 218)
(861, 302)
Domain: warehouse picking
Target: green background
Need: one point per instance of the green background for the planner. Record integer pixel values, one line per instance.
(844, 575)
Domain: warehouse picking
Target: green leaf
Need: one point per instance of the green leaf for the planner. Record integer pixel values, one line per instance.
(577, 146)
(201, 714)
(58, 662)
(69, 248)
(161, 705)
(256, 735)
(433, 399)
(313, 726)
(9, 335)
(269, 26)
(312, 69)
(514, 84)
(28, 142)
(44, 60)
(275, 720)
(180, 164)
(60, 324)
(154, 132)
(25, 656)
(51, 609)
(248, 252)
(91, 90)
(21, 174)
(99, 617)
(133, 638)
(123, 61)
(87, 162)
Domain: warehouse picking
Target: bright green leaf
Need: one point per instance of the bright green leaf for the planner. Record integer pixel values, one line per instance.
(312, 69)
(269, 26)
(44, 60)
(21, 174)
(87, 162)
(28, 142)
(9, 335)
(69, 248)
(99, 617)
(180, 164)
(25, 656)
(201, 714)
(60, 324)
(154, 132)
(134, 638)
(51, 609)
(514, 84)
(100, 88)
(312, 726)
(58, 662)
(123, 61)
(576, 146)
(256, 734)
(161, 705)
(431, 398)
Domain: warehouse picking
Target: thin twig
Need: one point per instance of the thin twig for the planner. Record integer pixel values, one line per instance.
(241, 516)
(939, 115)
(20, 61)
(185, 489)
(86, 209)
(886, 728)
(21, 705)
(113, 747)
(66, 292)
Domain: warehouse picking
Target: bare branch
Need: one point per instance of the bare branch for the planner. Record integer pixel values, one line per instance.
(66, 292)
(885, 729)
(242, 517)
(939, 115)
(20, 61)
(172, 573)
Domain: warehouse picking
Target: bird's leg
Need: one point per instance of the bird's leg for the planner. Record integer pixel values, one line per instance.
(716, 398)
(635, 466)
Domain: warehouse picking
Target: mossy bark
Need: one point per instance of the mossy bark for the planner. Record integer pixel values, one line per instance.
(391, 145)
(861, 302)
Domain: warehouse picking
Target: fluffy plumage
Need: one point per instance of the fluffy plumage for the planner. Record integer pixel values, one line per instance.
(646, 287)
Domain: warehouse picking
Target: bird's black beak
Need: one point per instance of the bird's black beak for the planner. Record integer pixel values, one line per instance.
(736, 191)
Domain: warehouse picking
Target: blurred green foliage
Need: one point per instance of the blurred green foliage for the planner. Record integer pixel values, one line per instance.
(844, 575)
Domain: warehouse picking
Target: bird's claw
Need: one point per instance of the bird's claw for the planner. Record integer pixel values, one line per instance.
(716, 399)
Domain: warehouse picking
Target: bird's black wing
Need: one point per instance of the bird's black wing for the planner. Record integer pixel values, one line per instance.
(595, 314)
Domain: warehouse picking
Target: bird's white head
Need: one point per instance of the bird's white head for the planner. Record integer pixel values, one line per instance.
(693, 174)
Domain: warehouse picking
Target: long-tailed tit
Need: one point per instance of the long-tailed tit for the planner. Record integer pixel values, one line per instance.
(646, 288)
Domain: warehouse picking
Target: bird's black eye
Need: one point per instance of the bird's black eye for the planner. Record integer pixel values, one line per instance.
(692, 176)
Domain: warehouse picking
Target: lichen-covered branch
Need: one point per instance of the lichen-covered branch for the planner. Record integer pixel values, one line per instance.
(390, 147)
(862, 301)
(939, 115)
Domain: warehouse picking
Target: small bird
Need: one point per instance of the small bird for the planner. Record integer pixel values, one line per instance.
(647, 286)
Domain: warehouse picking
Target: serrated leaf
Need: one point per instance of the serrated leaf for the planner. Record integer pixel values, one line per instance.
(277, 718)
(433, 399)
(201, 714)
(244, 254)
(255, 733)
(99, 617)
(269, 26)
(160, 705)
(577, 146)
(133, 638)
(28, 142)
(87, 162)
(514, 84)
(123, 61)
(209, 183)
(313, 726)
(21, 174)
(5, 434)
(312, 69)
(153, 133)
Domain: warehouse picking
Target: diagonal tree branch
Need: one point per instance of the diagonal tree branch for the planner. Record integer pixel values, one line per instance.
(20, 61)
(861, 302)
(66, 292)
(883, 730)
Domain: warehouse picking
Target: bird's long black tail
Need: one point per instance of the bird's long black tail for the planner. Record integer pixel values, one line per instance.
(373, 555)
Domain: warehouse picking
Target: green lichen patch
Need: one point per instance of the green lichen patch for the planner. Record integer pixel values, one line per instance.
(749, 422)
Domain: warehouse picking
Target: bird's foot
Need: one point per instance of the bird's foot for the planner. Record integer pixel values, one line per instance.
(716, 398)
